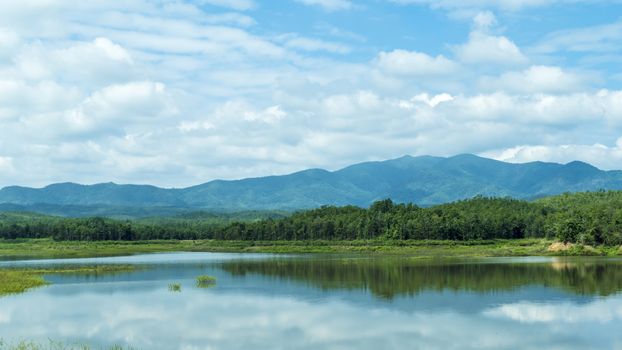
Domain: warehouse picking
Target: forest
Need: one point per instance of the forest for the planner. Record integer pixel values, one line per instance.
(591, 218)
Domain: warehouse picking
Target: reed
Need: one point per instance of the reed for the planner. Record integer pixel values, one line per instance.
(205, 281)
(174, 287)
(19, 280)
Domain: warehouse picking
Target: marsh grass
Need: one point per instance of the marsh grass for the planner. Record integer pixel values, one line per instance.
(47, 248)
(19, 280)
(174, 287)
(205, 281)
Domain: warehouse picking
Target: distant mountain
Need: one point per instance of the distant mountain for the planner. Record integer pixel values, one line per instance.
(422, 180)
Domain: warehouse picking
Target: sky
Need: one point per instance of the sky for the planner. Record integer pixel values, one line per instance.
(179, 92)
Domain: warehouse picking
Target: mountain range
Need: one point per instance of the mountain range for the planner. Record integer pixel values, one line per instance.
(424, 180)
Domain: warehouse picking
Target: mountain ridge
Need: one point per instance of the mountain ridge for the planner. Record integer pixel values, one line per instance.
(423, 180)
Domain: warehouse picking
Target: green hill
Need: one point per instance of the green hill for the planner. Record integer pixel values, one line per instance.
(422, 180)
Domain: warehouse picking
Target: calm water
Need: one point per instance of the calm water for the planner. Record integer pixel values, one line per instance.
(326, 302)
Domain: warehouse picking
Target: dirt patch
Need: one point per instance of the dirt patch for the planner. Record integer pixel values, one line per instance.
(559, 247)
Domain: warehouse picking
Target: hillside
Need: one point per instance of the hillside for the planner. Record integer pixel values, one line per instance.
(422, 180)
(592, 218)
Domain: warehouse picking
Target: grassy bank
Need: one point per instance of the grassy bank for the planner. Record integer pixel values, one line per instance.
(19, 280)
(47, 248)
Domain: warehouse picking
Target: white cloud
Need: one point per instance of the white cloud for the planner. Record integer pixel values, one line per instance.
(535, 79)
(188, 126)
(601, 155)
(330, 5)
(484, 48)
(414, 63)
(109, 110)
(94, 63)
(112, 50)
(269, 115)
(98, 91)
(484, 20)
(17, 96)
(564, 313)
(435, 100)
(148, 317)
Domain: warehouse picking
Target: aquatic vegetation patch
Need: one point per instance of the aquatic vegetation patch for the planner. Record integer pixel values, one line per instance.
(174, 287)
(19, 280)
(44, 248)
(205, 281)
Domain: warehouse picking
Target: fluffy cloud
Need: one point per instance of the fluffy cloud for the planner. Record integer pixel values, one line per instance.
(414, 63)
(484, 20)
(564, 313)
(609, 157)
(117, 108)
(148, 316)
(535, 79)
(99, 62)
(175, 93)
(484, 48)
(432, 101)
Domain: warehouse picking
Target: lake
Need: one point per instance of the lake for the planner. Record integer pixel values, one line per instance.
(263, 301)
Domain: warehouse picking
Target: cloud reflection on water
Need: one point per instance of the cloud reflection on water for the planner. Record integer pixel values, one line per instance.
(199, 319)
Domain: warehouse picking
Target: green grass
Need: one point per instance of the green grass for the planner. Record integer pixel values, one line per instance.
(14, 280)
(47, 248)
(19, 280)
(205, 281)
(174, 287)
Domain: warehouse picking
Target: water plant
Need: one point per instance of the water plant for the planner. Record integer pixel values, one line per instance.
(174, 287)
(19, 280)
(205, 281)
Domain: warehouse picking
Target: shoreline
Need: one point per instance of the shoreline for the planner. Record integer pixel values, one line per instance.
(18, 280)
(28, 249)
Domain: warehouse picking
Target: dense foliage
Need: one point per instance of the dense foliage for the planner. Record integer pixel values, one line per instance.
(590, 218)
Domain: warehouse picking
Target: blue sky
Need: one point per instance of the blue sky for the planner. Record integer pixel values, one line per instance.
(179, 92)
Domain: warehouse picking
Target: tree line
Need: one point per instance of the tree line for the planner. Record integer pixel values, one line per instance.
(592, 218)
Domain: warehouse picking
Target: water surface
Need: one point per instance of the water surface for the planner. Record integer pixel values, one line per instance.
(267, 301)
